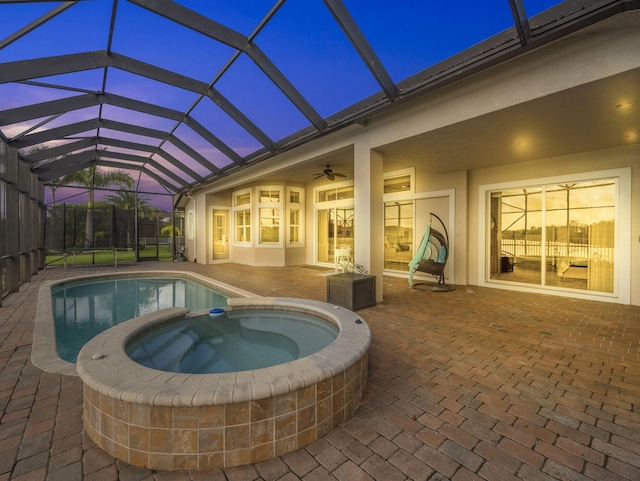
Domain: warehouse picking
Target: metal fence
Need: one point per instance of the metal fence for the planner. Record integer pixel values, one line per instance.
(75, 234)
(32, 235)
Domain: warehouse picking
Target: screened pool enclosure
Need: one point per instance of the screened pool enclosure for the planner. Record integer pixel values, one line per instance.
(165, 102)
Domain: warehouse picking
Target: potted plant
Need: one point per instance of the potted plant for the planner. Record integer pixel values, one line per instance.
(350, 266)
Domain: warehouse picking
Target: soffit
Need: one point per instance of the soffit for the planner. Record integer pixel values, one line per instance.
(581, 119)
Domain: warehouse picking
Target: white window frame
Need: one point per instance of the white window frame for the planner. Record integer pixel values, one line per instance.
(622, 280)
(248, 215)
(333, 186)
(239, 193)
(328, 204)
(299, 206)
(411, 172)
(269, 205)
(243, 207)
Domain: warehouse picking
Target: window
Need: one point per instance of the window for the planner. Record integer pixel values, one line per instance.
(243, 226)
(294, 226)
(269, 196)
(269, 225)
(401, 183)
(295, 208)
(559, 234)
(242, 216)
(269, 207)
(335, 193)
(242, 198)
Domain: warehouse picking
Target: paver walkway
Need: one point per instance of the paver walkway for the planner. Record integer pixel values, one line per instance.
(474, 384)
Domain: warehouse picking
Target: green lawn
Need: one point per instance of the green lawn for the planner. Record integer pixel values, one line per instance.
(105, 256)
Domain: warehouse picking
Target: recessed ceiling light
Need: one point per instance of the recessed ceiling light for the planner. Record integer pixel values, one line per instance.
(625, 104)
(522, 145)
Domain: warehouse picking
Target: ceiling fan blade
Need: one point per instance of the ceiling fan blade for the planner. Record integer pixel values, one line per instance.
(328, 173)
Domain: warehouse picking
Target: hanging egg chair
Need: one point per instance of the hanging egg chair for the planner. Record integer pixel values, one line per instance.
(432, 254)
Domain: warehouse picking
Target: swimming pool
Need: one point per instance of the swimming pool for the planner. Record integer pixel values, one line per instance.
(85, 308)
(45, 350)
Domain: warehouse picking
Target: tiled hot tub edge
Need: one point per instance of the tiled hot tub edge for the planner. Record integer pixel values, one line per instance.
(172, 421)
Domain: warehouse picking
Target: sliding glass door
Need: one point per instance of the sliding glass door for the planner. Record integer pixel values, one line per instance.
(398, 235)
(335, 230)
(559, 235)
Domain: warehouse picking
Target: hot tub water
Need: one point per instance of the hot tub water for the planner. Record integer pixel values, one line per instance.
(232, 341)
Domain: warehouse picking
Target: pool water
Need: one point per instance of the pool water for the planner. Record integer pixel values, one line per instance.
(83, 310)
(234, 341)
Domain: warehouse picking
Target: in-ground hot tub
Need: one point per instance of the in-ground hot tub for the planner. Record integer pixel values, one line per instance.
(176, 421)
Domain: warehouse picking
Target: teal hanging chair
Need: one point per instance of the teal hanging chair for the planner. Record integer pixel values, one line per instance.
(432, 254)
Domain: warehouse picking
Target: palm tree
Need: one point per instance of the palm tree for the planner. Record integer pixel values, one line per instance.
(129, 200)
(53, 184)
(94, 178)
(168, 230)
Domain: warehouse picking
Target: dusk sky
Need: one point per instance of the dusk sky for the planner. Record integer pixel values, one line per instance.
(302, 40)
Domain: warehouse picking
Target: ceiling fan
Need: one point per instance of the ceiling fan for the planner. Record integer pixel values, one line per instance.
(329, 173)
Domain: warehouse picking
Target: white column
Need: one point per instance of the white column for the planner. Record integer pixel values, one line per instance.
(369, 211)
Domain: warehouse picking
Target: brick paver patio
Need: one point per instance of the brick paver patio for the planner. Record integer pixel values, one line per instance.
(473, 384)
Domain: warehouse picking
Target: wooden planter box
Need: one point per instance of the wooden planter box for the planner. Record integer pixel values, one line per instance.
(350, 290)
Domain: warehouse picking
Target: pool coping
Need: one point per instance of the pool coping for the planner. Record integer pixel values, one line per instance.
(105, 367)
(44, 352)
